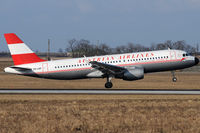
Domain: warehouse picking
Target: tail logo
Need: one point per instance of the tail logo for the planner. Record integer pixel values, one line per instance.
(20, 52)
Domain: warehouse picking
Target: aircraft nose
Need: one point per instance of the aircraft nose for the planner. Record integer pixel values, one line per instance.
(196, 60)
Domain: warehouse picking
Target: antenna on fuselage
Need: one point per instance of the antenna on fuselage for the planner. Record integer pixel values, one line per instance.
(86, 60)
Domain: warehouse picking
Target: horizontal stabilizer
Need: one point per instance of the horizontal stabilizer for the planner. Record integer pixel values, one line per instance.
(20, 68)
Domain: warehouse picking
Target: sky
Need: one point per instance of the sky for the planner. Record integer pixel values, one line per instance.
(114, 22)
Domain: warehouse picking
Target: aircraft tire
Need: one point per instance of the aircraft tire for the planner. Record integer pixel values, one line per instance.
(174, 79)
(108, 85)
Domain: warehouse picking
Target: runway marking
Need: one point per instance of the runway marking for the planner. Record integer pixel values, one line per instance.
(100, 91)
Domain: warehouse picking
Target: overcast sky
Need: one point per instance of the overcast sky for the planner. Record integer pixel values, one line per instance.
(114, 22)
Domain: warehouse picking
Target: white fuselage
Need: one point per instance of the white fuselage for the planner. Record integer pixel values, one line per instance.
(78, 68)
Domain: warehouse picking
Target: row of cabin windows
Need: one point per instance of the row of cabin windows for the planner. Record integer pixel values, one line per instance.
(72, 65)
(130, 60)
(185, 55)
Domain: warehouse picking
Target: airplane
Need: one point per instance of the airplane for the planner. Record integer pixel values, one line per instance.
(128, 66)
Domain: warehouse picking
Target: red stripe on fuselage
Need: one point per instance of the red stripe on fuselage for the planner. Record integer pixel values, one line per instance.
(19, 59)
(11, 38)
(78, 69)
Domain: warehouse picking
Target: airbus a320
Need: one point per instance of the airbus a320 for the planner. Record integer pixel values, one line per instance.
(129, 66)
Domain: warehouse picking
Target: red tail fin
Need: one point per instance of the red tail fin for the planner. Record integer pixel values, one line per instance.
(21, 54)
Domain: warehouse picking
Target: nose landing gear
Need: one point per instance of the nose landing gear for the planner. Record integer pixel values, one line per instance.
(174, 79)
(108, 84)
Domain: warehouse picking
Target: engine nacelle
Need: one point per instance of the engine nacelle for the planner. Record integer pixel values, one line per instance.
(133, 74)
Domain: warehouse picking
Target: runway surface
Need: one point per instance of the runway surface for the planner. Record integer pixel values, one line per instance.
(100, 91)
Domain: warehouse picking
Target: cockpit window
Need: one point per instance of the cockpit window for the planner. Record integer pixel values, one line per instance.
(185, 55)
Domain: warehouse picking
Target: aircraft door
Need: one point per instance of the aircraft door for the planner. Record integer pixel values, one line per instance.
(45, 67)
(172, 55)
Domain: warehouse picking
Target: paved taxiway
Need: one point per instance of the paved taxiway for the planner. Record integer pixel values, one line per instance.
(100, 91)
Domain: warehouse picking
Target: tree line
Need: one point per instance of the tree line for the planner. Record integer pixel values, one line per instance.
(79, 48)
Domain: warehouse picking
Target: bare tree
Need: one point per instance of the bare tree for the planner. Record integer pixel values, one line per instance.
(169, 44)
(179, 45)
(103, 49)
(71, 46)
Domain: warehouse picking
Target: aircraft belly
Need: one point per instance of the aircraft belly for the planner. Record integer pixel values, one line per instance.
(67, 74)
(167, 66)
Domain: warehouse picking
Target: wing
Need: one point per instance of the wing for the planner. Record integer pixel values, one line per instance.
(107, 68)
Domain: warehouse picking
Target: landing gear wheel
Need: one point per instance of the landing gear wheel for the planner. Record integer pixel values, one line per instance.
(174, 79)
(108, 85)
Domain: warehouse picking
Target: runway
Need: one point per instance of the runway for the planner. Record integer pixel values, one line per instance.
(101, 91)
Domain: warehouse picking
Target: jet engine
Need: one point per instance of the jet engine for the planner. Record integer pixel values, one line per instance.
(133, 74)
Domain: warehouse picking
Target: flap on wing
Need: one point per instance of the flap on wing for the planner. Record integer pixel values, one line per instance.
(107, 68)
(20, 68)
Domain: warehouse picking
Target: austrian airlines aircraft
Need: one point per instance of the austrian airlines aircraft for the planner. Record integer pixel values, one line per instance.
(129, 66)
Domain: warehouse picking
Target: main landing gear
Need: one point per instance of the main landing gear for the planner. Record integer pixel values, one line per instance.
(174, 79)
(108, 84)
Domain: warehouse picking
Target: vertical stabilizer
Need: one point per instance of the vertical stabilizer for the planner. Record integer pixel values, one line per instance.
(20, 52)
